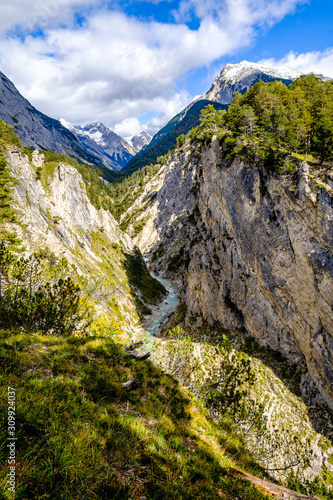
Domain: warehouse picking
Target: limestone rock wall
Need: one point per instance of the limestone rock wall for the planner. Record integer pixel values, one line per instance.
(253, 250)
(57, 214)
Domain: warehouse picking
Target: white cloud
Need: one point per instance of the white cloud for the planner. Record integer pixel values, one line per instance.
(27, 14)
(238, 12)
(170, 108)
(309, 62)
(115, 67)
(128, 127)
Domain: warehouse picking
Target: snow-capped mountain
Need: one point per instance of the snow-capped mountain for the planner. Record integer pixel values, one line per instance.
(35, 129)
(99, 140)
(233, 78)
(240, 77)
(139, 141)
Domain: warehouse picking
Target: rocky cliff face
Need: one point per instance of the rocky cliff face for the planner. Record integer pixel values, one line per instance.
(253, 250)
(55, 213)
(59, 214)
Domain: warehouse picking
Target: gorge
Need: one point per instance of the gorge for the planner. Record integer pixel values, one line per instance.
(236, 225)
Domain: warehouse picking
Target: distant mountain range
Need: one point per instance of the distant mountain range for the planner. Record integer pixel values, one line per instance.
(97, 144)
(101, 142)
(93, 143)
(232, 78)
(35, 129)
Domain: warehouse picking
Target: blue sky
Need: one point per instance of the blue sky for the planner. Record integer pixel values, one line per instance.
(134, 64)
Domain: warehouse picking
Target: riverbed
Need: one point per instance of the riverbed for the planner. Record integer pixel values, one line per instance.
(167, 307)
(150, 327)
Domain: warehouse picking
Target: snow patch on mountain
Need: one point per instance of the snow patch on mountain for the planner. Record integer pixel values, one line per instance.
(139, 141)
(97, 131)
(240, 77)
(112, 149)
(235, 72)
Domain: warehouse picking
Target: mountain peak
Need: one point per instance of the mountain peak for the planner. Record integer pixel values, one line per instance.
(96, 125)
(96, 137)
(140, 140)
(241, 76)
(234, 71)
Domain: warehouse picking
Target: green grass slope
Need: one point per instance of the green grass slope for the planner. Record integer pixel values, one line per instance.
(81, 435)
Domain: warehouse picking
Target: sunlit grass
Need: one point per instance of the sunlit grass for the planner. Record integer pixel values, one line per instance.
(82, 435)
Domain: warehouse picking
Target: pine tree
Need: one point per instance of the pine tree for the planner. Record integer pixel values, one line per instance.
(7, 213)
(323, 136)
(7, 182)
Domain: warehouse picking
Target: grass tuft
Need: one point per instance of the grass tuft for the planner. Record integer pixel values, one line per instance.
(81, 435)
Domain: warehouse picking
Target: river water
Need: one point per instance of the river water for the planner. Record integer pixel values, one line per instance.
(152, 323)
(149, 329)
(168, 306)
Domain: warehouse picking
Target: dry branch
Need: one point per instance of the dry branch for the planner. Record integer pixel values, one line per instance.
(133, 345)
(271, 488)
(136, 356)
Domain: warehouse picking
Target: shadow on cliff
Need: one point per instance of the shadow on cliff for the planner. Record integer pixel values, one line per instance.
(294, 377)
(145, 290)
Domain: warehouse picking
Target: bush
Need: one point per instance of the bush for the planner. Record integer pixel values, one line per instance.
(32, 299)
(151, 290)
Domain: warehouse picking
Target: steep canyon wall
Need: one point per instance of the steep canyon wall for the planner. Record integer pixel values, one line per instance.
(253, 249)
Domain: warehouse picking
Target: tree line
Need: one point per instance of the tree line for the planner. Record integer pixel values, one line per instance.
(271, 117)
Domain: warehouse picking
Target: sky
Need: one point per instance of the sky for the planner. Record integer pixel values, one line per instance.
(134, 64)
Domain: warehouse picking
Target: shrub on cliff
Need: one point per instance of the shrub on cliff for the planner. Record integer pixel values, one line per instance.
(38, 296)
(151, 290)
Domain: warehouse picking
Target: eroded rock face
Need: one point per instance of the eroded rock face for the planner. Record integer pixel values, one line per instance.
(58, 216)
(254, 251)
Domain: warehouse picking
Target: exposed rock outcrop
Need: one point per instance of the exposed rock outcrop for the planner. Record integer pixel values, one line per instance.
(59, 215)
(56, 214)
(253, 250)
